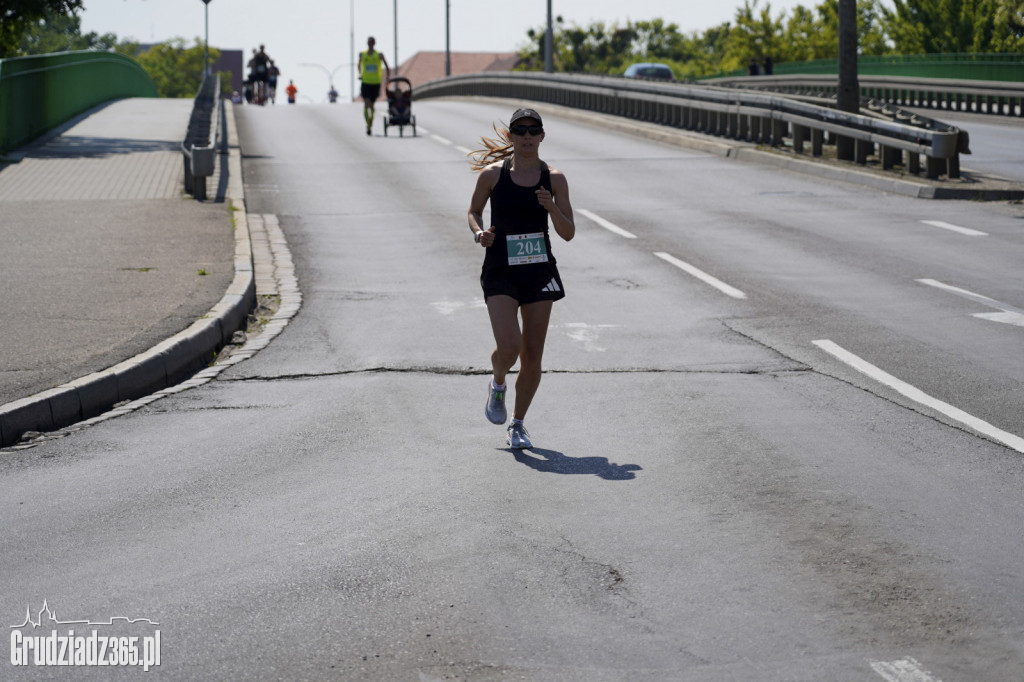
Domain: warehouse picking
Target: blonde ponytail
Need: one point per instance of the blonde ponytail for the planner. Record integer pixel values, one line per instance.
(494, 150)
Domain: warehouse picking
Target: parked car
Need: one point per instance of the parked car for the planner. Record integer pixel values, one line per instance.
(651, 71)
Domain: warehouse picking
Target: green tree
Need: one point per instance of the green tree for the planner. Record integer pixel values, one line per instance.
(754, 36)
(63, 33)
(930, 26)
(1008, 29)
(814, 33)
(706, 51)
(176, 70)
(655, 40)
(17, 16)
(807, 33)
(608, 49)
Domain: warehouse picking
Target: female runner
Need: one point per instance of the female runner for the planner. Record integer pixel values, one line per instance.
(519, 275)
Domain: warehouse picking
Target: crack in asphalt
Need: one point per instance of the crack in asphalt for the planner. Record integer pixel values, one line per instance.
(455, 371)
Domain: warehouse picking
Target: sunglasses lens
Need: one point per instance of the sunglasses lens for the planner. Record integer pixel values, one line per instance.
(522, 130)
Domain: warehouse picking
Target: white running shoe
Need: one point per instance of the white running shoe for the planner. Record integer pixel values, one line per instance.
(517, 437)
(494, 409)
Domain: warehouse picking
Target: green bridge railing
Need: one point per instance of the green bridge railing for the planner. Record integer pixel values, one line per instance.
(41, 92)
(960, 66)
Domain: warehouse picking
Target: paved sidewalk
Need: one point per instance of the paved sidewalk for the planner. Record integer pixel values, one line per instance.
(104, 256)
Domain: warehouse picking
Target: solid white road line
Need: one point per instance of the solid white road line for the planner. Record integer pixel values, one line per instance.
(904, 670)
(1010, 314)
(611, 227)
(919, 396)
(701, 275)
(955, 228)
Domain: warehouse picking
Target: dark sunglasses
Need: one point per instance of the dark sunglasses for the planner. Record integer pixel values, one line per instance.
(522, 130)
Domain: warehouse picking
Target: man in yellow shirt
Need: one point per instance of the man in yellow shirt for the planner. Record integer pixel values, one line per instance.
(370, 62)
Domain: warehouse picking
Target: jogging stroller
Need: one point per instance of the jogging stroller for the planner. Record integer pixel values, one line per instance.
(399, 94)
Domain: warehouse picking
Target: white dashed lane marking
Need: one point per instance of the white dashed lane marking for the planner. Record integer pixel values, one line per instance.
(611, 227)
(701, 275)
(919, 396)
(1009, 314)
(955, 228)
(903, 670)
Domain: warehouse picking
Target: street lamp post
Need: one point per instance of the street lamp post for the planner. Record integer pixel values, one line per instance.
(206, 41)
(352, 49)
(549, 45)
(848, 92)
(330, 73)
(447, 38)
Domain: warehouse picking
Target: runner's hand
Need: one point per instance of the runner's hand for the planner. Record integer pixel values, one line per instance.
(487, 238)
(545, 199)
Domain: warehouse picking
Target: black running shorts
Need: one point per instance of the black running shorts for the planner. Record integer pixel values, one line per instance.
(370, 91)
(525, 283)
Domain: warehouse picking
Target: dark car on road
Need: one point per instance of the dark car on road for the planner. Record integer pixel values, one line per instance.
(650, 71)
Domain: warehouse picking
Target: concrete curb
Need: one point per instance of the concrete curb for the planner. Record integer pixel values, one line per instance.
(166, 364)
(749, 152)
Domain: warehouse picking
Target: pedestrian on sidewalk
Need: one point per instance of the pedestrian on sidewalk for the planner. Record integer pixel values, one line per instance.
(369, 67)
(291, 91)
(519, 275)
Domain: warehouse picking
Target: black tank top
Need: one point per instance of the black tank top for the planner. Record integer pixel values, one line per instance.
(515, 210)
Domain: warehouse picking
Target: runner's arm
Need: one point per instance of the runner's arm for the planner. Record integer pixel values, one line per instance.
(556, 201)
(484, 185)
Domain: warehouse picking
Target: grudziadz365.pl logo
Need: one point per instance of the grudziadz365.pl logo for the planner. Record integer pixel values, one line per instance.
(84, 642)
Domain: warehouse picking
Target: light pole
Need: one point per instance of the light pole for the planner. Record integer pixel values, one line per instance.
(396, 37)
(352, 49)
(447, 38)
(848, 92)
(549, 40)
(206, 41)
(330, 73)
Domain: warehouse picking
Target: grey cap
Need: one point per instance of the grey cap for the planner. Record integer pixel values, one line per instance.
(524, 113)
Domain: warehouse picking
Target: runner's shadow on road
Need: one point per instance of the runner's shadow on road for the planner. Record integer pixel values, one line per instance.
(553, 462)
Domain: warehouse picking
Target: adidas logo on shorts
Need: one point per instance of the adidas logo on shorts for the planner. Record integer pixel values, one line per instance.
(552, 286)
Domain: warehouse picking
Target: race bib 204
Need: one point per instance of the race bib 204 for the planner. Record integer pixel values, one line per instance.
(526, 248)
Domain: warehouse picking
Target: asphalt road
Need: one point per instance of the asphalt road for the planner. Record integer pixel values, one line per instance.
(718, 492)
(995, 141)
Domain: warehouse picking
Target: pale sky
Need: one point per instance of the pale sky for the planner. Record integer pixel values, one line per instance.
(297, 32)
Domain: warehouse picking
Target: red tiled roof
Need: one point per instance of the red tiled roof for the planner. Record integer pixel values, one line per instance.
(428, 66)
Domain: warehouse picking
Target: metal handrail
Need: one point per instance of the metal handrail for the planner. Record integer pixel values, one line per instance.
(1001, 98)
(200, 146)
(729, 112)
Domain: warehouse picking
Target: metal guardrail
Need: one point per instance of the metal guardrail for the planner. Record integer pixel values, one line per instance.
(998, 98)
(201, 143)
(727, 112)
